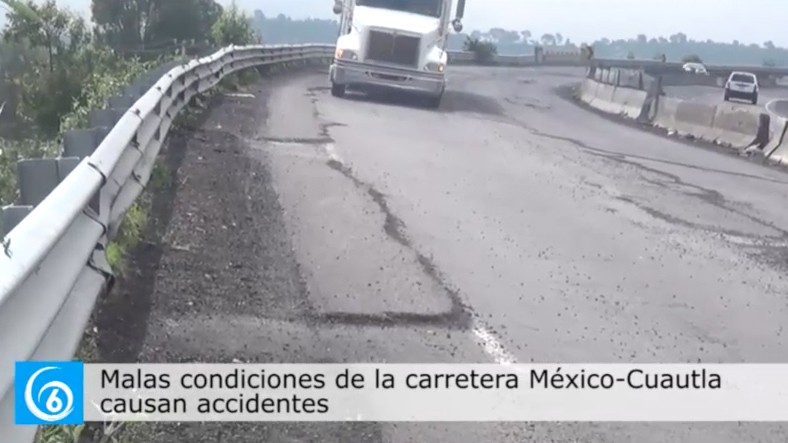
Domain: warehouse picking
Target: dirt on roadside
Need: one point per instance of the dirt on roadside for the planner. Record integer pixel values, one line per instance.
(215, 252)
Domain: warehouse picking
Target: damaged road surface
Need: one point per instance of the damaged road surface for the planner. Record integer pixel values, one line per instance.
(508, 226)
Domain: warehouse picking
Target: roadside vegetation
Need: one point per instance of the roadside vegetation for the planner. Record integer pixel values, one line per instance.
(55, 67)
(284, 29)
(483, 50)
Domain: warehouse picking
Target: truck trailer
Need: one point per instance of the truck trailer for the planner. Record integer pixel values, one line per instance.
(394, 44)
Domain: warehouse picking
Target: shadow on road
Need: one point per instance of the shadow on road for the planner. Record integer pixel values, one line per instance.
(453, 101)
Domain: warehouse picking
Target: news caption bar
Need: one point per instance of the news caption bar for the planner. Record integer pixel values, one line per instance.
(73, 392)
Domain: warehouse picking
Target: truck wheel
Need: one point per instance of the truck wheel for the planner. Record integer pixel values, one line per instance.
(337, 90)
(755, 99)
(726, 97)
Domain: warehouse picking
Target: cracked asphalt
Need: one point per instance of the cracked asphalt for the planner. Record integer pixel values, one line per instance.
(307, 228)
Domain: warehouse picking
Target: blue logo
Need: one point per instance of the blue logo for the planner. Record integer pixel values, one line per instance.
(48, 393)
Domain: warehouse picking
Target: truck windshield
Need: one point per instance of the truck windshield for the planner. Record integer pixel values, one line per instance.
(423, 7)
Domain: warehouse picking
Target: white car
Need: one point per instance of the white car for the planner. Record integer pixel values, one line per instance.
(742, 85)
(695, 68)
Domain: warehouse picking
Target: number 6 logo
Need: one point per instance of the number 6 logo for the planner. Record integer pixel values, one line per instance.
(54, 406)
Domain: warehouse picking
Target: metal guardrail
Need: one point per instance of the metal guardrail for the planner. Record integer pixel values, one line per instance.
(53, 263)
(652, 67)
(656, 67)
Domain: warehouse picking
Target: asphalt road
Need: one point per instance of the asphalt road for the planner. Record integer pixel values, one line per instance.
(712, 95)
(510, 225)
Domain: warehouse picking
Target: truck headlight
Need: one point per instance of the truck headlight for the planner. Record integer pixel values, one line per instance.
(346, 54)
(435, 67)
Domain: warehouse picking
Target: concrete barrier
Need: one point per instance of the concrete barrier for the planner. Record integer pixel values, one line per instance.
(777, 148)
(630, 101)
(629, 78)
(588, 90)
(603, 99)
(665, 114)
(694, 120)
(613, 100)
(739, 127)
(724, 124)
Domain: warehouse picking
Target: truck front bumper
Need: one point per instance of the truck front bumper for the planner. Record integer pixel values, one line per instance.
(364, 75)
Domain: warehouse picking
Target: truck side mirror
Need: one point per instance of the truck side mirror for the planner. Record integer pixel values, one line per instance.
(457, 24)
(337, 7)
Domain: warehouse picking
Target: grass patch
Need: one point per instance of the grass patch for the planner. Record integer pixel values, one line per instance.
(136, 219)
(114, 432)
(129, 235)
(59, 434)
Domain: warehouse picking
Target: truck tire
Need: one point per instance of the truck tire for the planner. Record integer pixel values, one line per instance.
(755, 99)
(726, 97)
(337, 90)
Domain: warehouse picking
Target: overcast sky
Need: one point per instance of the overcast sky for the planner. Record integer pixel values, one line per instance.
(749, 21)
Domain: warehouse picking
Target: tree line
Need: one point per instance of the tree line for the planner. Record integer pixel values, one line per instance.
(283, 29)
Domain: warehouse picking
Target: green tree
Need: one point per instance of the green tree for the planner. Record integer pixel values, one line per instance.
(548, 39)
(57, 44)
(769, 63)
(136, 24)
(233, 27)
(184, 20)
(484, 50)
(630, 55)
(123, 23)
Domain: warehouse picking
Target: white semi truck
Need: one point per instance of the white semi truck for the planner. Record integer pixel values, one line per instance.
(394, 44)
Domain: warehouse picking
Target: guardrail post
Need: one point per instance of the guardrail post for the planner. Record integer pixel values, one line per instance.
(121, 102)
(134, 90)
(65, 165)
(82, 143)
(12, 216)
(38, 177)
(105, 118)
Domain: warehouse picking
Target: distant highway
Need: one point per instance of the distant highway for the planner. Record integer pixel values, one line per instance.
(713, 95)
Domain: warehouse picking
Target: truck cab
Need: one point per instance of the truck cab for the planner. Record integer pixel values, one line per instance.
(393, 44)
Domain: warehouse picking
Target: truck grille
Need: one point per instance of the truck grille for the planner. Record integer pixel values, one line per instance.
(390, 48)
